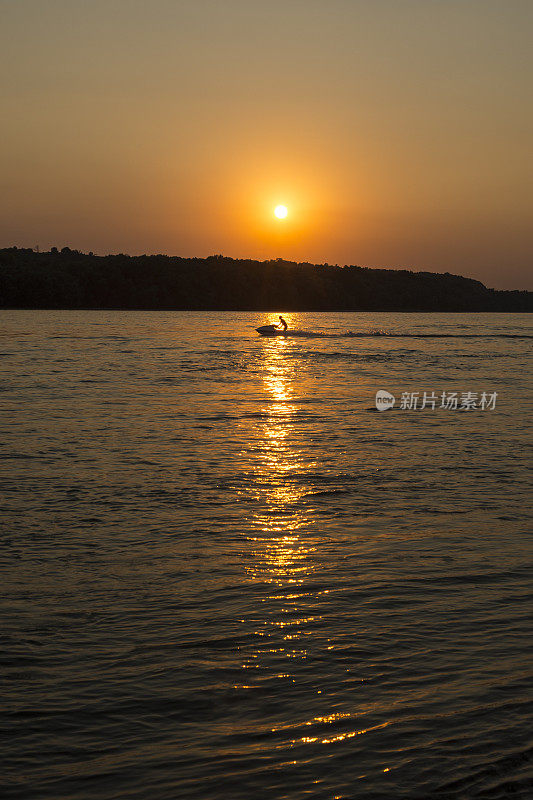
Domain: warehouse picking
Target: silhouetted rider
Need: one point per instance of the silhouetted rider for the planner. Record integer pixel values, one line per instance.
(282, 324)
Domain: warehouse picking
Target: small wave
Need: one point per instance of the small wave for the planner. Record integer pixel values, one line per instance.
(355, 334)
(446, 335)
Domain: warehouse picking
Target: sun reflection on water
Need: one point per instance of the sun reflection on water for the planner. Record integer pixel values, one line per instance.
(281, 555)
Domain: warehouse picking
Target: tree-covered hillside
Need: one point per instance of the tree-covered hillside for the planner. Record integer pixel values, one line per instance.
(70, 279)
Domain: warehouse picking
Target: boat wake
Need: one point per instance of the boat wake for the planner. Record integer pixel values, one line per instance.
(392, 335)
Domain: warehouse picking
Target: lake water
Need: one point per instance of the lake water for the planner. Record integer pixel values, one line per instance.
(227, 576)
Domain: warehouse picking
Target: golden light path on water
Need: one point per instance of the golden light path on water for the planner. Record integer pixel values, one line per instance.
(283, 552)
(280, 556)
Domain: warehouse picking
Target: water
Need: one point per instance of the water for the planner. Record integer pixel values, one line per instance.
(227, 576)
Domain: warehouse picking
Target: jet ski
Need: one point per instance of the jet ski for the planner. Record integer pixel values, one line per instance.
(270, 330)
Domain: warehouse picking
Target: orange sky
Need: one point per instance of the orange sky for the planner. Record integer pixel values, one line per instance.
(397, 132)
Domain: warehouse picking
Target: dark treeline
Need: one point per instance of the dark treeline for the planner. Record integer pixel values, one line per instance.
(70, 279)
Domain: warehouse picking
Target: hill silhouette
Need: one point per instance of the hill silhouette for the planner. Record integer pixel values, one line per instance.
(71, 279)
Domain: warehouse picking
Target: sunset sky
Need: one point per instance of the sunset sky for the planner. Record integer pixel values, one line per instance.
(395, 132)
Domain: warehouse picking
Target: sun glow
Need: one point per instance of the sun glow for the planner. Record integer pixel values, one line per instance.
(281, 212)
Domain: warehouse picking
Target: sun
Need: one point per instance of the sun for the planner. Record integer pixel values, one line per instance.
(281, 212)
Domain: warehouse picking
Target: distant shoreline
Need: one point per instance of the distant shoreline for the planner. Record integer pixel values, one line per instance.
(71, 280)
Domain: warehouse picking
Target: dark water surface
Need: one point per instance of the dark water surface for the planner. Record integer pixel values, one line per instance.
(226, 576)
